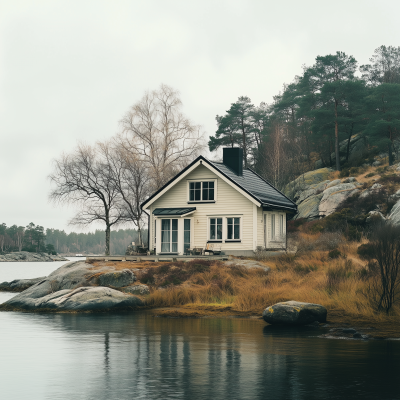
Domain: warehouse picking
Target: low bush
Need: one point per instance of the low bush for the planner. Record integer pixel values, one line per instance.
(366, 251)
(344, 173)
(294, 224)
(354, 170)
(370, 175)
(335, 253)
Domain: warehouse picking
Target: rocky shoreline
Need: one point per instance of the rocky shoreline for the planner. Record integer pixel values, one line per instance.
(76, 286)
(81, 287)
(25, 256)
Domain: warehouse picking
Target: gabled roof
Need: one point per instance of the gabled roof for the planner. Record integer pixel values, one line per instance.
(258, 187)
(249, 184)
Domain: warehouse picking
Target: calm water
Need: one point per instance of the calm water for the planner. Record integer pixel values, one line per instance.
(138, 356)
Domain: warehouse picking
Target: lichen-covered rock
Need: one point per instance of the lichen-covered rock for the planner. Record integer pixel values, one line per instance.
(80, 299)
(19, 285)
(309, 208)
(294, 313)
(70, 288)
(334, 196)
(372, 190)
(306, 180)
(117, 279)
(333, 183)
(394, 216)
(136, 289)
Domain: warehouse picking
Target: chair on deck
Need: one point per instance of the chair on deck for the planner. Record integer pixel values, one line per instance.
(196, 251)
(211, 248)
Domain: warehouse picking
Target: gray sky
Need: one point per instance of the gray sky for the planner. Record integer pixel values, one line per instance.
(70, 69)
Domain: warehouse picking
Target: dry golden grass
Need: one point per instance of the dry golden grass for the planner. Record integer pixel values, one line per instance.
(301, 278)
(179, 289)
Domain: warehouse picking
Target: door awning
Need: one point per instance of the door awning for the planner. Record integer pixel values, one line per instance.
(181, 212)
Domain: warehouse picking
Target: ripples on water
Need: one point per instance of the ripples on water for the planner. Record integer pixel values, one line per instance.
(138, 356)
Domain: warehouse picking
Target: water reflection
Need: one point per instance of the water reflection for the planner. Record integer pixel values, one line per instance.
(139, 356)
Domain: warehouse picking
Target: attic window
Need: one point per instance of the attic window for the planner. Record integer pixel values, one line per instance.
(201, 191)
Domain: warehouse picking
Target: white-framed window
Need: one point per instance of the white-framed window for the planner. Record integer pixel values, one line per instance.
(224, 228)
(281, 226)
(202, 191)
(215, 229)
(233, 228)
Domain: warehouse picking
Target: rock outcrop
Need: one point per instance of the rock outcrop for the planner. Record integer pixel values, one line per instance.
(80, 299)
(334, 196)
(136, 289)
(394, 216)
(308, 181)
(294, 313)
(117, 279)
(25, 256)
(72, 288)
(19, 285)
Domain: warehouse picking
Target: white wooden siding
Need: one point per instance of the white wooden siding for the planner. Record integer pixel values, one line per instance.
(229, 203)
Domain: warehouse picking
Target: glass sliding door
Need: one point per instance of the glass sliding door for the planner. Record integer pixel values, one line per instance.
(169, 235)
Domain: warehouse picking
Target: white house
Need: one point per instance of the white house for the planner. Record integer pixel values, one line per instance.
(218, 204)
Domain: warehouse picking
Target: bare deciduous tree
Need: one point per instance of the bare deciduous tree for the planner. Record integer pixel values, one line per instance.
(156, 130)
(384, 287)
(83, 178)
(130, 177)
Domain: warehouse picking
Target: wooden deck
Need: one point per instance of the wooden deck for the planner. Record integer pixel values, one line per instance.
(155, 258)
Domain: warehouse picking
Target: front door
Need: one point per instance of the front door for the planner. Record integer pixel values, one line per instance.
(176, 235)
(169, 235)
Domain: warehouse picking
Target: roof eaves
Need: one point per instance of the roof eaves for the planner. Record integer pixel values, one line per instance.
(233, 181)
(254, 172)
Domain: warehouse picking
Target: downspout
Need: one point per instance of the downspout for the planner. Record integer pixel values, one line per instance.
(286, 231)
(148, 230)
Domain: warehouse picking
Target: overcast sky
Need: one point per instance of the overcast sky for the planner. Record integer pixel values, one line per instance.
(70, 69)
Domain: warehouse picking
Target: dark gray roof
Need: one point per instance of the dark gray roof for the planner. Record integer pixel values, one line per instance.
(173, 211)
(257, 186)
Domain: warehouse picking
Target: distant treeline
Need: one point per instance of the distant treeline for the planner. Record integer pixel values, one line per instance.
(35, 238)
(93, 242)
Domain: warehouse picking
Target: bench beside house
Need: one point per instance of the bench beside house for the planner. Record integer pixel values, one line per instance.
(219, 203)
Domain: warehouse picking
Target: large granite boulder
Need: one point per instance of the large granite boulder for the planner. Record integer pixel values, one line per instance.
(309, 208)
(372, 190)
(334, 196)
(394, 216)
(294, 313)
(305, 181)
(71, 287)
(117, 279)
(19, 285)
(80, 299)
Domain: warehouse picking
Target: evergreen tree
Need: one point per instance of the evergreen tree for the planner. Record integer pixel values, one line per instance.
(383, 113)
